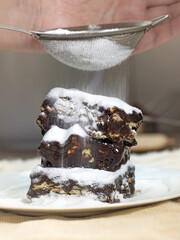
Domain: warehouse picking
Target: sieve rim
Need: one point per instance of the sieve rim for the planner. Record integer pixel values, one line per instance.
(104, 30)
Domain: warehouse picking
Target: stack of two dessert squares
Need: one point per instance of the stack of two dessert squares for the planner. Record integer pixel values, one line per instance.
(86, 146)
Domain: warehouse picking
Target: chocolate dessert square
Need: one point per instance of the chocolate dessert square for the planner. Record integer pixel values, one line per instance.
(94, 183)
(86, 146)
(74, 148)
(101, 117)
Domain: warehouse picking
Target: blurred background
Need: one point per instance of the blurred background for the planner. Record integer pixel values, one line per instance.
(150, 80)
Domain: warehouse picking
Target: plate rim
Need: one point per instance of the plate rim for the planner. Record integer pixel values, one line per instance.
(86, 209)
(114, 206)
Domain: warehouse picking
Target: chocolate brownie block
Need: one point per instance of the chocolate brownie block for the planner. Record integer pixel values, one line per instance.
(86, 146)
(96, 184)
(79, 150)
(101, 117)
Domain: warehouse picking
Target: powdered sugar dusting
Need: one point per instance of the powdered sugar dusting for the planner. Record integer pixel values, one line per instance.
(84, 176)
(61, 135)
(106, 102)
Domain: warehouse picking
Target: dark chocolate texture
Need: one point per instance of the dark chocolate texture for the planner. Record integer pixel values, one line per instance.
(113, 124)
(41, 184)
(84, 152)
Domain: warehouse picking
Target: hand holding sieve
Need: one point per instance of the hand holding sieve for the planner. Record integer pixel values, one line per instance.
(93, 47)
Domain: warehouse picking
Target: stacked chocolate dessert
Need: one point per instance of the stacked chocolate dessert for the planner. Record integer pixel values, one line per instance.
(85, 147)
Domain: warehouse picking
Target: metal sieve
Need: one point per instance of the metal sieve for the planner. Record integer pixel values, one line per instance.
(94, 47)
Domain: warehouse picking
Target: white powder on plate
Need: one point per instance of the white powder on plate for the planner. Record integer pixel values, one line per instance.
(61, 135)
(153, 183)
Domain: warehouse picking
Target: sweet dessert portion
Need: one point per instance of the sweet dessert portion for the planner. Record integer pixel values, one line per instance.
(74, 148)
(86, 146)
(101, 117)
(96, 184)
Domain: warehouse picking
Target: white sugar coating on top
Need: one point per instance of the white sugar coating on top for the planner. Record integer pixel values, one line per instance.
(90, 99)
(61, 135)
(83, 176)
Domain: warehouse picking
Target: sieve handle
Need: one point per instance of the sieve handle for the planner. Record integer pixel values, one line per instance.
(16, 29)
(159, 20)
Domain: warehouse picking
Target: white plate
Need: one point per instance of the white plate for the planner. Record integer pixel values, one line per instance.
(153, 185)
